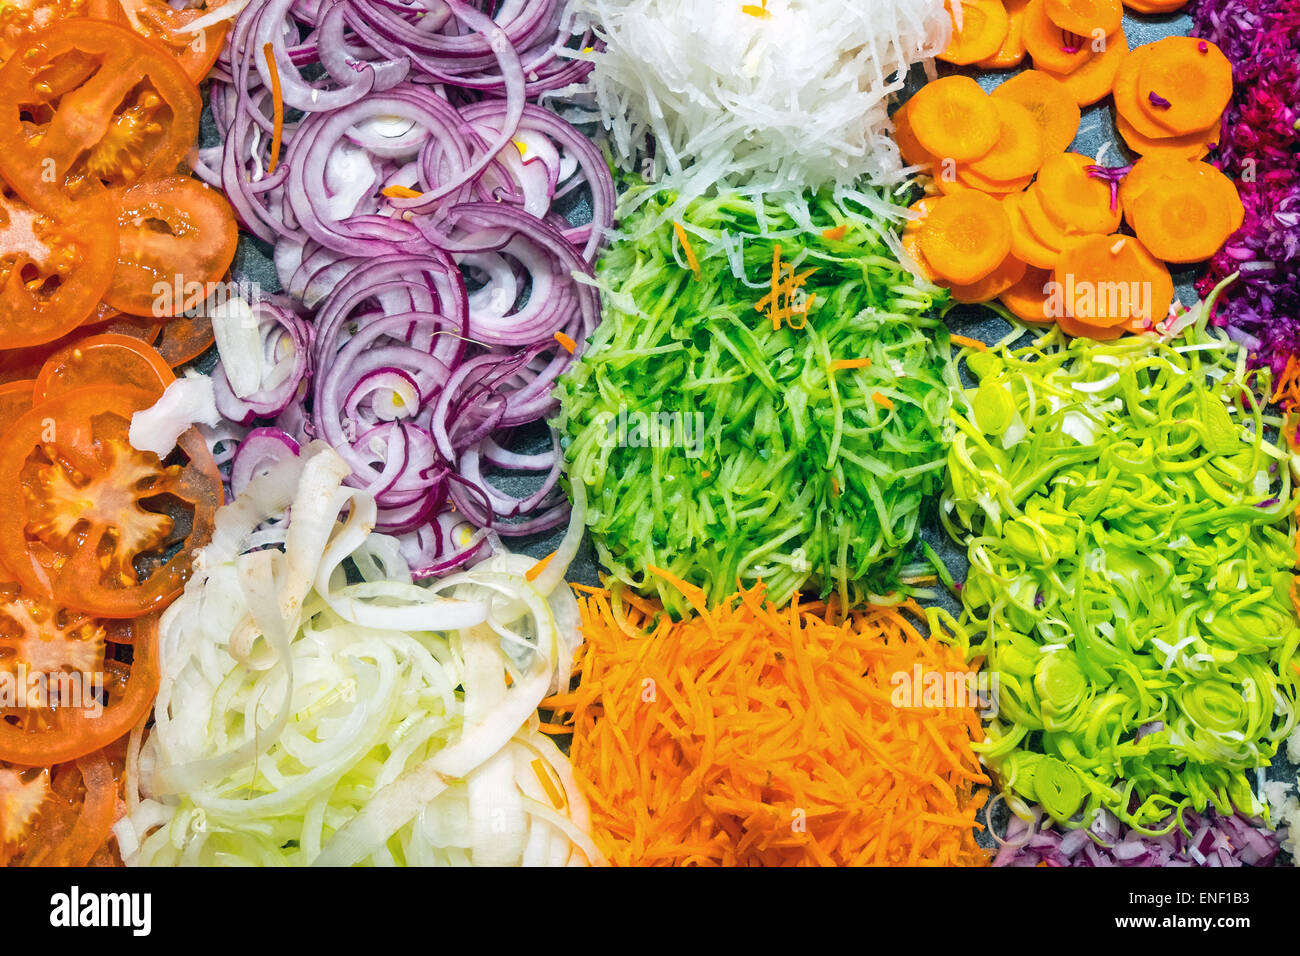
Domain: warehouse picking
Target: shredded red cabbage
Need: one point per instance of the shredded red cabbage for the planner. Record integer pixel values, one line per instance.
(1261, 142)
(1210, 839)
(419, 218)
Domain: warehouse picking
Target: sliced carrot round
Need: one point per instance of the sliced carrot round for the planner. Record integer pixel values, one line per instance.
(1112, 280)
(1124, 92)
(1042, 226)
(1093, 81)
(1180, 223)
(1008, 272)
(913, 153)
(965, 236)
(1012, 51)
(1049, 45)
(1081, 17)
(1075, 200)
(1025, 245)
(953, 119)
(1155, 6)
(1019, 150)
(1192, 145)
(1189, 74)
(994, 187)
(911, 237)
(1166, 172)
(1086, 330)
(1027, 298)
(1049, 102)
(983, 27)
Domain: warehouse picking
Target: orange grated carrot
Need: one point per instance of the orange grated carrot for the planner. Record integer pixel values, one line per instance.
(883, 400)
(570, 346)
(968, 343)
(836, 233)
(400, 192)
(850, 363)
(535, 572)
(277, 107)
(756, 735)
(691, 261)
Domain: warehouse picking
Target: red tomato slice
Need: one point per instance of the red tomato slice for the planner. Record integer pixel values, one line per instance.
(175, 237)
(88, 106)
(185, 339)
(19, 19)
(52, 275)
(103, 360)
(15, 401)
(157, 21)
(75, 819)
(93, 524)
(91, 699)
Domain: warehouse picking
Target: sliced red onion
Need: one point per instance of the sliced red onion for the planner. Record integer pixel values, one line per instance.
(1215, 840)
(417, 217)
(280, 358)
(261, 449)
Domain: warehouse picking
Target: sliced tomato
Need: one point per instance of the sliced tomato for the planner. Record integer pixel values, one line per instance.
(15, 401)
(78, 804)
(52, 274)
(185, 338)
(91, 523)
(19, 19)
(19, 364)
(88, 106)
(169, 28)
(175, 238)
(91, 698)
(103, 360)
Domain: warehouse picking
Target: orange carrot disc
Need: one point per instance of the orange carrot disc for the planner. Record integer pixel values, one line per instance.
(1027, 298)
(1082, 17)
(1052, 47)
(1093, 81)
(965, 236)
(1012, 51)
(1075, 200)
(983, 28)
(1111, 280)
(1192, 76)
(1049, 102)
(1019, 150)
(953, 119)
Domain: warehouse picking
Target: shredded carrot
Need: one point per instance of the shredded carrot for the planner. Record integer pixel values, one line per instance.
(277, 106)
(883, 400)
(781, 300)
(850, 363)
(555, 730)
(536, 570)
(566, 341)
(691, 261)
(968, 343)
(757, 735)
(400, 192)
(836, 233)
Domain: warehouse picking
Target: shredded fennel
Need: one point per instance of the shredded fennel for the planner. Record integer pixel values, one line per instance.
(311, 716)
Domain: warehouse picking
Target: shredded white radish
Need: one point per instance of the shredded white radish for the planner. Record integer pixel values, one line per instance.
(769, 97)
(318, 707)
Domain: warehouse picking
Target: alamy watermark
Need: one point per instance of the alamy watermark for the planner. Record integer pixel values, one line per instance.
(953, 688)
(655, 429)
(58, 690)
(206, 299)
